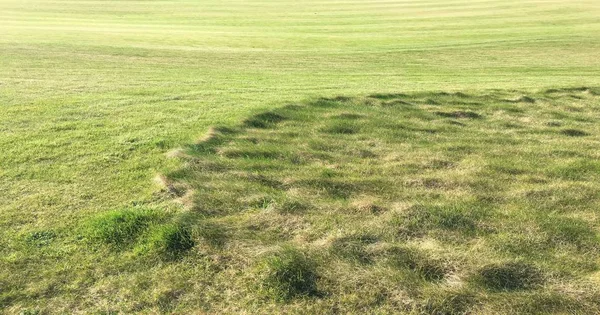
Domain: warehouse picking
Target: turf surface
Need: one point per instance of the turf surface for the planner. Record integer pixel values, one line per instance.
(443, 203)
(94, 93)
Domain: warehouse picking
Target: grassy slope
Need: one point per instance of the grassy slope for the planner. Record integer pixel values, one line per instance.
(93, 93)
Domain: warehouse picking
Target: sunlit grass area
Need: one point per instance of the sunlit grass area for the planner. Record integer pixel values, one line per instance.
(432, 202)
(97, 216)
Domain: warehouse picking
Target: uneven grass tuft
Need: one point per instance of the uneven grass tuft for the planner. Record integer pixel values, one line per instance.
(120, 228)
(287, 274)
(448, 302)
(264, 120)
(171, 241)
(510, 276)
(429, 268)
(149, 231)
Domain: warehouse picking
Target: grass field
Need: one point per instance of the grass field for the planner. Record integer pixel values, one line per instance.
(97, 216)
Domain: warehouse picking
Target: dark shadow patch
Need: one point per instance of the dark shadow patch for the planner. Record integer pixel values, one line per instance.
(574, 133)
(459, 114)
(567, 153)
(292, 206)
(171, 241)
(412, 128)
(577, 97)
(395, 103)
(507, 169)
(456, 123)
(339, 98)
(512, 126)
(349, 116)
(286, 275)
(166, 301)
(213, 138)
(438, 164)
(264, 120)
(325, 102)
(431, 102)
(465, 103)
(252, 154)
(448, 303)
(264, 180)
(510, 276)
(387, 96)
(574, 109)
(366, 154)
(293, 107)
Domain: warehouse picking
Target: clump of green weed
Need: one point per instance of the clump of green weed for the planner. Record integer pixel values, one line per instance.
(40, 238)
(287, 274)
(510, 276)
(171, 241)
(120, 228)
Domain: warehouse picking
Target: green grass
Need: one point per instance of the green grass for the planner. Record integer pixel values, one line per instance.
(285, 275)
(438, 203)
(96, 95)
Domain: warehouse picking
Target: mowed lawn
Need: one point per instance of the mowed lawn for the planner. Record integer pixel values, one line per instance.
(94, 94)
